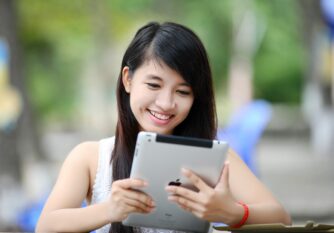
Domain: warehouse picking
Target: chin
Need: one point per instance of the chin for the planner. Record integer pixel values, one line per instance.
(158, 131)
(162, 132)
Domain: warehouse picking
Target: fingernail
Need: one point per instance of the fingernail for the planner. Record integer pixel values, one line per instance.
(152, 203)
(185, 171)
(169, 189)
(171, 198)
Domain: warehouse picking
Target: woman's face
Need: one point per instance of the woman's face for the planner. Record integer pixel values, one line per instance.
(160, 99)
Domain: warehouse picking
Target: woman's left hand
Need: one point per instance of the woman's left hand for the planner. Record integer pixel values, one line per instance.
(211, 204)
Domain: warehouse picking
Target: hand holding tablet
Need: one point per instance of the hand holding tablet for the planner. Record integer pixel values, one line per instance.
(159, 160)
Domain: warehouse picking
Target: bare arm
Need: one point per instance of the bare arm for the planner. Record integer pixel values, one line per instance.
(245, 186)
(62, 211)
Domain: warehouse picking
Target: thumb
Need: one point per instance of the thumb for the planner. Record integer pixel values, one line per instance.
(223, 182)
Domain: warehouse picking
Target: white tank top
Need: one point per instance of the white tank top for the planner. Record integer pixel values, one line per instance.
(103, 180)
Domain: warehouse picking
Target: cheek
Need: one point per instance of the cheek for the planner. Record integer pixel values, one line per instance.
(138, 100)
(186, 106)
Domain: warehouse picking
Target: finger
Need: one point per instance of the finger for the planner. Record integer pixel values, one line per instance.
(185, 208)
(223, 182)
(187, 204)
(129, 209)
(139, 196)
(182, 192)
(198, 213)
(196, 180)
(138, 206)
(131, 183)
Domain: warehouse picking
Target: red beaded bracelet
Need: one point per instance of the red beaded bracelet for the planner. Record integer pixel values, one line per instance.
(244, 218)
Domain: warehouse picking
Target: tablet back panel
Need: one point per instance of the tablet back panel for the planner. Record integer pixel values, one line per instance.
(158, 159)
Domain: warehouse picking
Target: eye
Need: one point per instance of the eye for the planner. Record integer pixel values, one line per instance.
(153, 85)
(182, 92)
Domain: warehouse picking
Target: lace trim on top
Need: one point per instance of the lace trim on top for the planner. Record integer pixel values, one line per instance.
(102, 183)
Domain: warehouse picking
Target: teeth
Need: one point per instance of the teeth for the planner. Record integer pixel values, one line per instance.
(160, 116)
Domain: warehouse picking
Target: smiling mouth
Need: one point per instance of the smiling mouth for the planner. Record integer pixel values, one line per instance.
(162, 117)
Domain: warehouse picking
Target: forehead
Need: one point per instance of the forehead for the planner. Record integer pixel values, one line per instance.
(153, 68)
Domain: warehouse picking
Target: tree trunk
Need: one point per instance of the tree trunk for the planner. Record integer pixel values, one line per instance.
(22, 139)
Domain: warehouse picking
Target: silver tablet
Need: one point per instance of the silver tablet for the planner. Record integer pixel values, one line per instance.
(158, 159)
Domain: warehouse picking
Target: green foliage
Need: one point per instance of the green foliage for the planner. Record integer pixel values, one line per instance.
(211, 20)
(279, 64)
(59, 36)
(54, 34)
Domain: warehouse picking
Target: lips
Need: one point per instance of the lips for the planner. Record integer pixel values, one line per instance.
(160, 116)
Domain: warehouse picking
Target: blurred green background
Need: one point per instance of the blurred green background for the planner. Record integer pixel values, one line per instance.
(60, 37)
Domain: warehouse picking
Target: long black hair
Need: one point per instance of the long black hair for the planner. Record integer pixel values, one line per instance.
(180, 49)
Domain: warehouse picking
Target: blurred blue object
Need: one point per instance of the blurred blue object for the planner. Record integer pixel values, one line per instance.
(27, 219)
(3, 52)
(327, 8)
(245, 129)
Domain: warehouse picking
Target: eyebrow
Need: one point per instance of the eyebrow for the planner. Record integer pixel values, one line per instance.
(154, 77)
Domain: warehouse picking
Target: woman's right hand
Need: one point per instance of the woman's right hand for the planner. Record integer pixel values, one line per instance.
(125, 199)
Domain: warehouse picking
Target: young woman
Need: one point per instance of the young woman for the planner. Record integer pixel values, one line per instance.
(164, 86)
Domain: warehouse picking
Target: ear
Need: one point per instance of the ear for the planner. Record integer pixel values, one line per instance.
(126, 79)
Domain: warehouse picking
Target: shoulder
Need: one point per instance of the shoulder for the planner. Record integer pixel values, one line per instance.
(85, 155)
(73, 173)
(84, 150)
(82, 155)
(91, 147)
(85, 147)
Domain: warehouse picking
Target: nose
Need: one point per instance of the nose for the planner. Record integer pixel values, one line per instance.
(166, 101)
